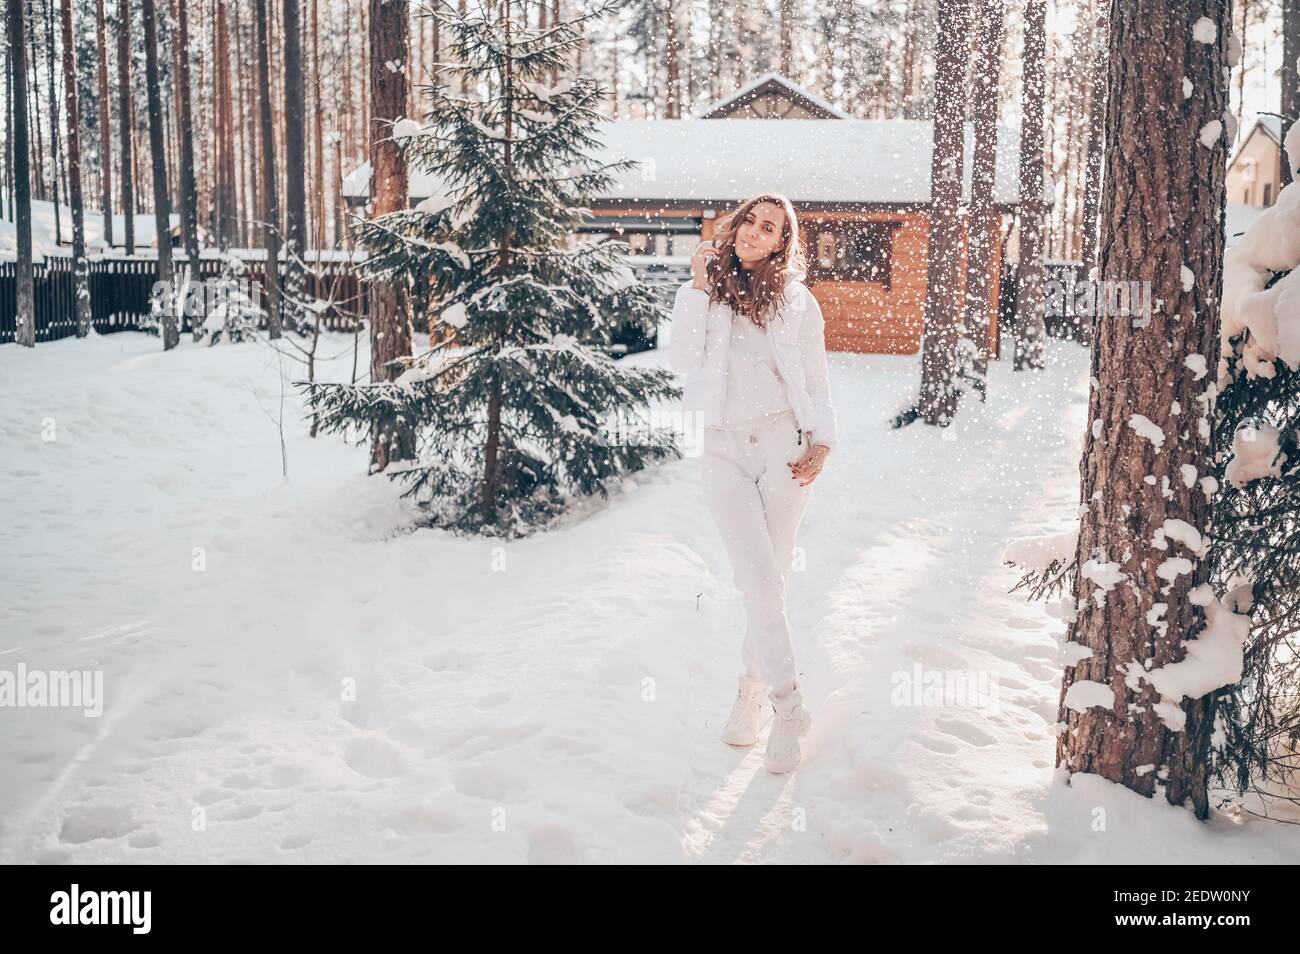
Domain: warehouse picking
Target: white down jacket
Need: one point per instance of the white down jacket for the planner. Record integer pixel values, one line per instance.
(701, 338)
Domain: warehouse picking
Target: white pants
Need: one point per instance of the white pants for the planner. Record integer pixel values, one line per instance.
(758, 506)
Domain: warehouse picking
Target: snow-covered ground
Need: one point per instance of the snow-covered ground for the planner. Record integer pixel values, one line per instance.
(289, 675)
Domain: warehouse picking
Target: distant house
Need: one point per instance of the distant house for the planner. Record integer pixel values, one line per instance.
(1255, 171)
(861, 188)
(1254, 176)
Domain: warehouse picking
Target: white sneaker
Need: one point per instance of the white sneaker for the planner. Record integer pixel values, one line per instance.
(791, 723)
(746, 714)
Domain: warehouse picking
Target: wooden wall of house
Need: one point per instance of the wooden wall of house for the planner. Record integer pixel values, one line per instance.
(866, 317)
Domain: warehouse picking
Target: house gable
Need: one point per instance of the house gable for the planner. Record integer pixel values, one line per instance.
(772, 96)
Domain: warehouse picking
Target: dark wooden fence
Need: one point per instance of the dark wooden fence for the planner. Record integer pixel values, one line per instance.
(120, 290)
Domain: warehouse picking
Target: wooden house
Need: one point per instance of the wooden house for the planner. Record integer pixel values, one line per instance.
(861, 189)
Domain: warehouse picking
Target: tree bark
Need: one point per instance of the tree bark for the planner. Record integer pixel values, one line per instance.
(672, 63)
(105, 125)
(787, 38)
(225, 154)
(55, 152)
(1161, 206)
(7, 182)
(25, 327)
(249, 200)
(1029, 333)
(390, 326)
(1290, 107)
(185, 123)
(295, 163)
(1096, 143)
(318, 151)
(348, 141)
(127, 168)
(938, 402)
(270, 208)
(1244, 64)
(34, 104)
(493, 446)
(162, 207)
(80, 267)
(983, 228)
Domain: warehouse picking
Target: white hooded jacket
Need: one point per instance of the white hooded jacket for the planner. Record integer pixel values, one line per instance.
(701, 338)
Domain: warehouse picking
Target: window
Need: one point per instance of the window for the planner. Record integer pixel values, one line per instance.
(659, 243)
(646, 234)
(851, 251)
(1268, 193)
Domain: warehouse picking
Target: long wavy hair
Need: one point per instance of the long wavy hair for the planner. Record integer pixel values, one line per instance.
(754, 292)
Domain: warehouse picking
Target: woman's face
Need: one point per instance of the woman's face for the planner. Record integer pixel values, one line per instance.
(759, 234)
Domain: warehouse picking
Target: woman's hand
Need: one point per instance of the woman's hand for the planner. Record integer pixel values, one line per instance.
(700, 265)
(807, 467)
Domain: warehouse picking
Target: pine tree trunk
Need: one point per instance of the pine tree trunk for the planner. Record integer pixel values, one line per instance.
(270, 207)
(672, 63)
(346, 141)
(938, 402)
(295, 162)
(787, 37)
(366, 31)
(911, 42)
(204, 143)
(318, 152)
(555, 18)
(34, 99)
(1243, 65)
(80, 267)
(55, 152)
(1096, 143)
(162, 210)
(7, 182)
(223, 165)
(1063, 210)
(390, 328)
(1029, 344)
(275, 64)
(249, 203)
(492, 448)
(983, 224)
(1290, 106)
(1160, 221)
(1051, 108)
(25, 299)
(185, 121)
(105, 125)
(127, 168)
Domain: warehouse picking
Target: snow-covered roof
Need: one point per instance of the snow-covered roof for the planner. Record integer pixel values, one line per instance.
(1272, 125)
(43, 229)
(793, 89)
(810, 160)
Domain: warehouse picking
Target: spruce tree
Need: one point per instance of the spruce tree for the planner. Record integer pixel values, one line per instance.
(227, 304)
(515, 405)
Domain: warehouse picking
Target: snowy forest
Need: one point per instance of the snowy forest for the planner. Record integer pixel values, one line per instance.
(359, 506)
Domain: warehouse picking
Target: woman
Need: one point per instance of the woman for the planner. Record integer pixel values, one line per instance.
(748, 336)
